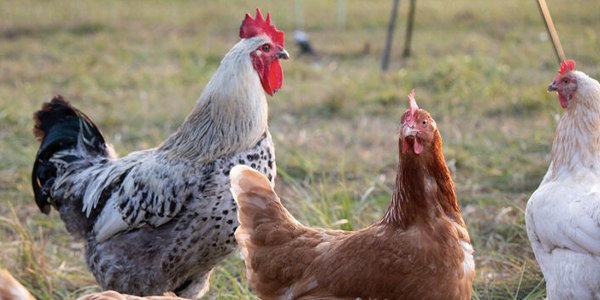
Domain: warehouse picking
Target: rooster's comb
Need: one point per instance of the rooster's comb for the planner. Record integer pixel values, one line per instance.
(253, 27)
(412, 103)
(566, 66)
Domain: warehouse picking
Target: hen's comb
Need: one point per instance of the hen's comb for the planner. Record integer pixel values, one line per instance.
(412, 103)
(566, 66)
(253, 27)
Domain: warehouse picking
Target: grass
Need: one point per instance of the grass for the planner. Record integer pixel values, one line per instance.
(136, 68)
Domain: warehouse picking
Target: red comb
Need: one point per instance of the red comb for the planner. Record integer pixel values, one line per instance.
(566, 66)
(412, 103)
(253, 27)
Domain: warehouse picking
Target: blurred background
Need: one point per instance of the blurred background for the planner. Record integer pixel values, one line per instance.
(481, 68)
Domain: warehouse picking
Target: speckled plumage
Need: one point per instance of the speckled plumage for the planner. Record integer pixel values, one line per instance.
(159, 220)
(197, 221)
(153, 224)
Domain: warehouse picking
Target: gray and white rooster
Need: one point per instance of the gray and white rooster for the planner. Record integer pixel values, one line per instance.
(159, 220)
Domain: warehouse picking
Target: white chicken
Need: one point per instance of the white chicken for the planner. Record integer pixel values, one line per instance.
(563, 214)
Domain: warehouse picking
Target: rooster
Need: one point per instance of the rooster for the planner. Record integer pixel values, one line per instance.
(159, 220)
(563, 214)
(420, 249)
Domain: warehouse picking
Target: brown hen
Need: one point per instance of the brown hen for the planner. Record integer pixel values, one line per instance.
(419, 250)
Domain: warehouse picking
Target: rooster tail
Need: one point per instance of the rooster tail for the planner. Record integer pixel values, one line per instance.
(66, 135)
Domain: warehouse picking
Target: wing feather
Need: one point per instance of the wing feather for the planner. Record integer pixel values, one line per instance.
(565, 216)
(138, 190)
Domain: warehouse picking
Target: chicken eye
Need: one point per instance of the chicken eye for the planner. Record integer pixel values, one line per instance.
(424, 123)
(566, 80)
(266, 47)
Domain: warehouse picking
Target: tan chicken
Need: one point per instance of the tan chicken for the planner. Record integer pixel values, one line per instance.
(419, 250)
(112, 295)
(11, 289)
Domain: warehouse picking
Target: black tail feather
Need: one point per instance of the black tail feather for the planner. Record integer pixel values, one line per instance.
(60, 126)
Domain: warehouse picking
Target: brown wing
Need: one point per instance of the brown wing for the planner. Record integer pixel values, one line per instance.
(277, 249)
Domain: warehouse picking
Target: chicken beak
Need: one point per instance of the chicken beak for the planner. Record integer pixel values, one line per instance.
(408, 130)
(552, 87)
(282, 54)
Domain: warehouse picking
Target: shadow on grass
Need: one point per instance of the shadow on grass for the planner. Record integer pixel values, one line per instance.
(80, 29)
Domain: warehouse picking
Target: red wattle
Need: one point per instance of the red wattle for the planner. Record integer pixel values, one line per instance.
(275, 75)
(261, 69)
(270, 74)
(418, 146)
(405, 146)
(563, 101)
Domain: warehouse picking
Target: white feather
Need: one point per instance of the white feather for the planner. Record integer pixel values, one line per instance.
(562, 215)
(109, 223)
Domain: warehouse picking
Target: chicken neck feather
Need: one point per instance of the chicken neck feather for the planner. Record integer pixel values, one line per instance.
(424, 188)
(230, 115)
(576, 147)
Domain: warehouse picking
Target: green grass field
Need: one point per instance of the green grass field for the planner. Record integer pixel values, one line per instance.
(481, 69)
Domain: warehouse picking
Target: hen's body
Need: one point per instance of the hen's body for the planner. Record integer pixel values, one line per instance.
(563, 214)
(291, 261)
(565, 237)
(419, 250)
(159, 220)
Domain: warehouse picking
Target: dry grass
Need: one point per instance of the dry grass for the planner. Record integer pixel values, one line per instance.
(136, 68)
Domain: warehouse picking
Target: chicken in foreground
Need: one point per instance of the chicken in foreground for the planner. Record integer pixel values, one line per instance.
(159, 220)
(11, 289)
(419, 250)
(563, 214)
(112, 295)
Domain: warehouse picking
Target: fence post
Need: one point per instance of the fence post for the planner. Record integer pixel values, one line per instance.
(409, 28)
(390, 36)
